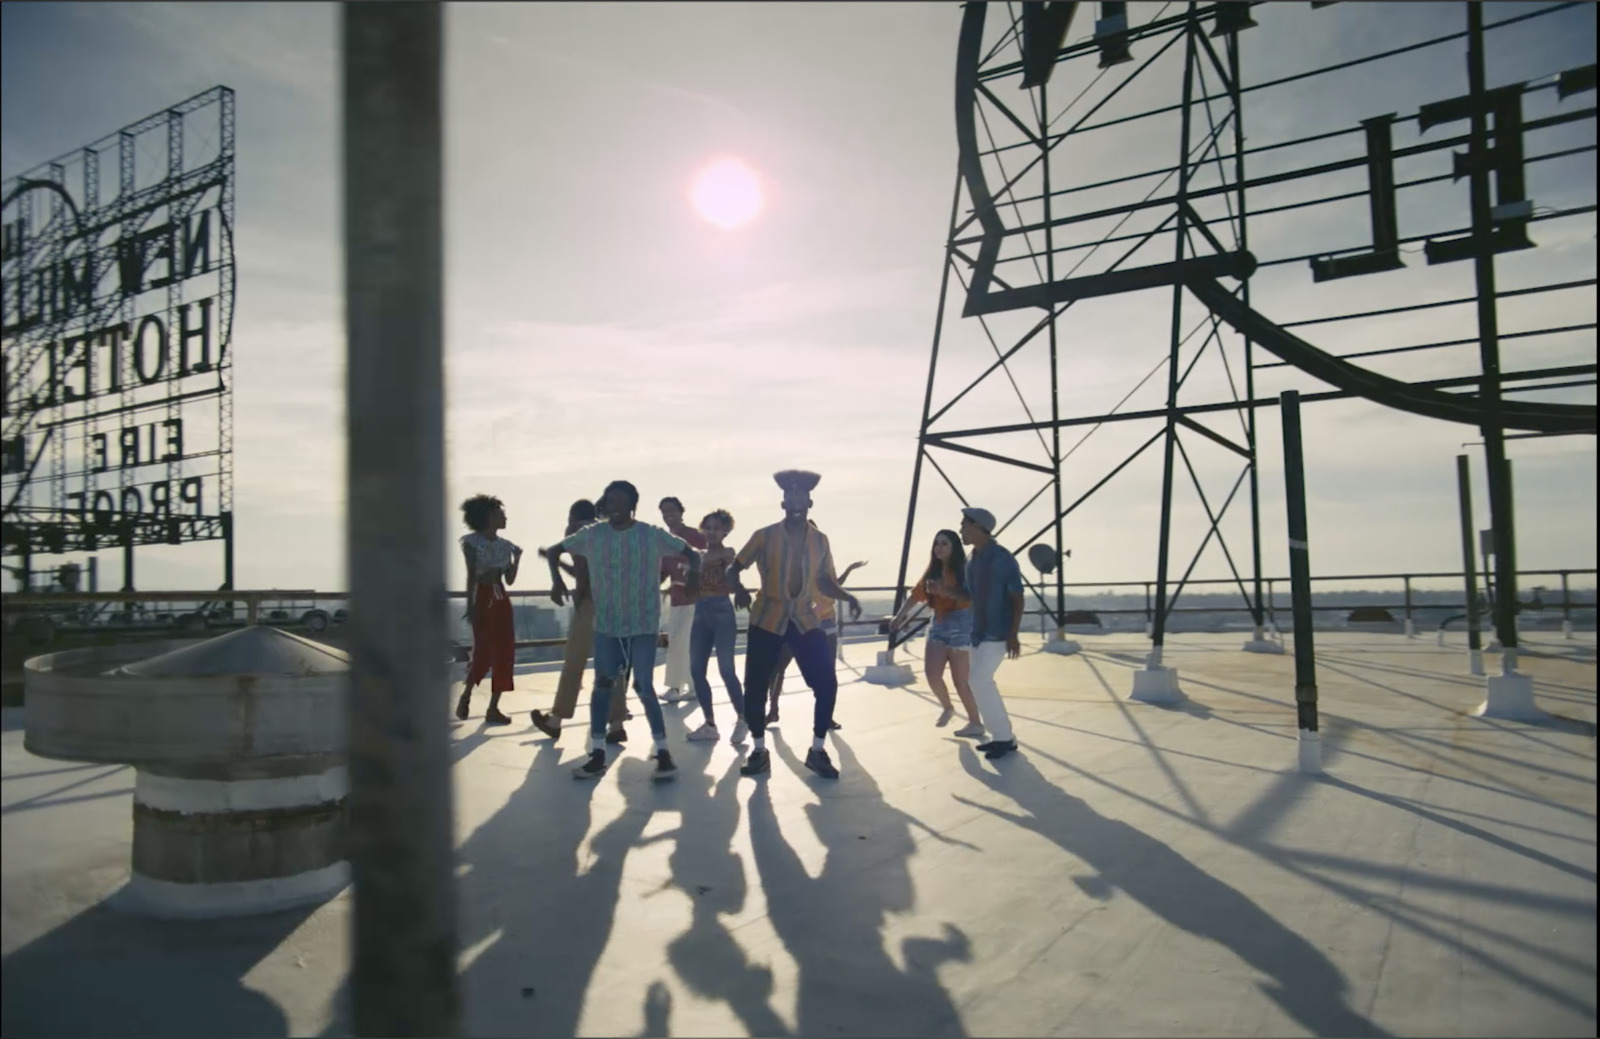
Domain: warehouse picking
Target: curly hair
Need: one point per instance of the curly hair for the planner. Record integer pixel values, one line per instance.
(475, 510)
(669, 498)
(722, 516)
(582, 510)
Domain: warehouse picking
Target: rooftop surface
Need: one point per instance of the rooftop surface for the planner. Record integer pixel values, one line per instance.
(1133, 870)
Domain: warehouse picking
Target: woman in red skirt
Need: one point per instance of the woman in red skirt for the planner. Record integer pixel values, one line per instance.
(492, 563)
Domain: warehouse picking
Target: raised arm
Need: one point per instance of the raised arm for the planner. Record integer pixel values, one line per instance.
(828, 585)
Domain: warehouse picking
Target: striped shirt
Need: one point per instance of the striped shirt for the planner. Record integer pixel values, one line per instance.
(789, 572)
(624, 574)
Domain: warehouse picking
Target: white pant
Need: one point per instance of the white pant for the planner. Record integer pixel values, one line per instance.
(986, 659)
(680, 623)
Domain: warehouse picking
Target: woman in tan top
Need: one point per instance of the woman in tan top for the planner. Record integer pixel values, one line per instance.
(944, 588)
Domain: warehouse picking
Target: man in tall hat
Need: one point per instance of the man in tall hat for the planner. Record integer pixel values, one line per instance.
(796, 567)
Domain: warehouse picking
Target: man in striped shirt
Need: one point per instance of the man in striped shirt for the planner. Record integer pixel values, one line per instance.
(796, 568)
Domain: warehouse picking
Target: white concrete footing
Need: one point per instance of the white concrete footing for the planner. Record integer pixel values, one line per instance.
(887, 672)
(1509, 696)
(1566, 629)
(1475, 661)
(1260, 645)
(1059, 643)
(1310, 752)
(1411, 628)
(146, 896)
(1156, 684)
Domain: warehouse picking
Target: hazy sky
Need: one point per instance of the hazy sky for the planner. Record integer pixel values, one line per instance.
(599, 328)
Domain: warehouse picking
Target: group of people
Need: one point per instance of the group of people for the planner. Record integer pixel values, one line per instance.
(617, 564)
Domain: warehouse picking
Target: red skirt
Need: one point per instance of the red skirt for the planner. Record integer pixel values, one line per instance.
(494, 638)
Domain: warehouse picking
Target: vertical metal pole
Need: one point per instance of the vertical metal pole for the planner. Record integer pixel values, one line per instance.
(1566, 608)
(927, 402)
(1305, 660)
(1159, 632)
(94, 575)
(1464, 487)
(127, 559)
(1258, 614)
(403, 971)
(1410, 627)
(227, 550)
(1500, 505)
(1055, 395)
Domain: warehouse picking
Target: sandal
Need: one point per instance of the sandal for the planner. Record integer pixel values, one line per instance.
(495, 717)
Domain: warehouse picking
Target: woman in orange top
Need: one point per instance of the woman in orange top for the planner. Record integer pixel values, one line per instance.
(944, 587)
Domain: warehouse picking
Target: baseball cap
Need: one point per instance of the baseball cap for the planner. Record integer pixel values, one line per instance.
(982, 517)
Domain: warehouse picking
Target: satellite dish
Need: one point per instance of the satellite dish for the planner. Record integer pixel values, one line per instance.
(1043, 557)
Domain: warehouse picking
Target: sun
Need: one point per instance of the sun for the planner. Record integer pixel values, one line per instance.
(727, 194)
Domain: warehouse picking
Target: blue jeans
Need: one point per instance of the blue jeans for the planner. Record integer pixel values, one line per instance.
(611, 654)
(715, 627)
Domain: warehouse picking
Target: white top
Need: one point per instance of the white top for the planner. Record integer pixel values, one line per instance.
(491, 553)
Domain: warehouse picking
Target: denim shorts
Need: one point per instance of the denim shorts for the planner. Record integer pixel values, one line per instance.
(954, 629)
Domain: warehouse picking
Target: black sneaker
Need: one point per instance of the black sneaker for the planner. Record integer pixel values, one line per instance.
(985, 746)
(546, 724)
(817, 761)
(665, 769)
(835, 726)
(1000, 749)
(758, 765)
(594, 768)
(617, 736)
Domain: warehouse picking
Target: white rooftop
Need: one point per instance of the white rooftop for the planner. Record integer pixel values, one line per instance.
(1134, 870)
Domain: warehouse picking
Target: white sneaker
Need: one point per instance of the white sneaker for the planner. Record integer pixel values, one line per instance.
(675, 695)
(970, 731)
(704, 734)
(741, 732)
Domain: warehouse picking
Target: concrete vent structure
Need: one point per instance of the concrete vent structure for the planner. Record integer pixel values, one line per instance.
(238, 743)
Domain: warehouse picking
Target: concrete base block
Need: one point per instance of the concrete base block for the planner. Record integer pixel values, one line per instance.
(1475, 661)
(1264, 646)
(1310, 752)
(1411, 628)
(1156, 685)
(1566, 629)
(1065, 647)
(887, 672)
(1493, 646)
(145, 896)
(1509, 696)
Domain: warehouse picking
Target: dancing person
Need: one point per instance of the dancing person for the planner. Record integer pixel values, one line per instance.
(492, 563)
(580, 633)
(681, 607)
(715, 629)
(995, 583)
(944, 588)
(795, 565)
(624, 558)
(830, 624)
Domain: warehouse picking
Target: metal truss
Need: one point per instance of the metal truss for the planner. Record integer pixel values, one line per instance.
(1043, 220)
